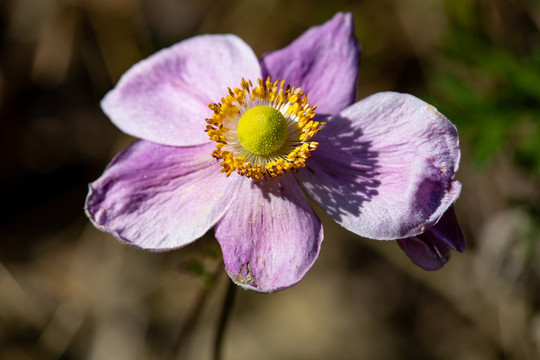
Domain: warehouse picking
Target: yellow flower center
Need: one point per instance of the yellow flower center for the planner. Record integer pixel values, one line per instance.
(264, 130)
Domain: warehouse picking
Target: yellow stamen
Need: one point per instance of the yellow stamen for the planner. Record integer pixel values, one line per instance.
(283, 143)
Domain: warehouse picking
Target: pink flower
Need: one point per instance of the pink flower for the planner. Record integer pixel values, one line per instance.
(223, 146)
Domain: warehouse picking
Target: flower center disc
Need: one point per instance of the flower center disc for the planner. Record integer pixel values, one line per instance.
(262, 130)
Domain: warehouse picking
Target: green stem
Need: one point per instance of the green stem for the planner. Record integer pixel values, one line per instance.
(188, 327)
(189, 324)
(223, 319)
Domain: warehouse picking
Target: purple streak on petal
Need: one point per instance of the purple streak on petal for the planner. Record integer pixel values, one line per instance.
(160, 197)
(448, 231)
(384, 168)
(426, 250)
(270, 237)
(324, 62)
(165, 97)
(431, 250)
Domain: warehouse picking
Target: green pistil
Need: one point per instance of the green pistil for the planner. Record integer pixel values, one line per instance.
(262, 130)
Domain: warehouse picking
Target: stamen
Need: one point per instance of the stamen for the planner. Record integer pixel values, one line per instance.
(288, 150)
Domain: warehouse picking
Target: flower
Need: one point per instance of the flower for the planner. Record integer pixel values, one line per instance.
(235, 143)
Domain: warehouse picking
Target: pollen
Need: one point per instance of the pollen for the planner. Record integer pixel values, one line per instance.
(264, 130)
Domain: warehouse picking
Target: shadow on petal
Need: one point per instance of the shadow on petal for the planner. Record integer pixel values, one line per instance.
(343, 172)
(384, 168)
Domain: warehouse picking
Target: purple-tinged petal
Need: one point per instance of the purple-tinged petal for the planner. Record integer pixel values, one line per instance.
(384, 168)
(448, 231)
(431, 250)
(270, 236)
(165, 97)
(425, 250)
(160, 197)
(324, 62)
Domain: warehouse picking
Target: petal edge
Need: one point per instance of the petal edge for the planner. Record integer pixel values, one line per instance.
(164, 98)
(324, 61)
(270, 237)
(158, 197)
(384, 168)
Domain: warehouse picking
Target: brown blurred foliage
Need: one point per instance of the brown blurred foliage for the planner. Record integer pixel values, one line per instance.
(68, 291)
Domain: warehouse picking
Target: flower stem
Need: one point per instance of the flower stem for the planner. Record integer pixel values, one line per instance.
(189, 324)
(226, 310)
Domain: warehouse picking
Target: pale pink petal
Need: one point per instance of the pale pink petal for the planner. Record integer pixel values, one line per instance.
(160, 197)
(270, 237)
(165, 97)
(324, 62)
(384, 168)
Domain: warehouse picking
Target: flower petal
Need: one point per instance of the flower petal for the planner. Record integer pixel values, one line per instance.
(448, 231)
(270, 237)
(384, 167)
(426, 251)
(165, 97)
(159, 197)
(324, 62)
(431, 250)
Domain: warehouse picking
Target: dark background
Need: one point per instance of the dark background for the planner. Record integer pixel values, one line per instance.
(68, 291)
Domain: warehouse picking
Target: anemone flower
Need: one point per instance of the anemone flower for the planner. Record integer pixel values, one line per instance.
(236, 143)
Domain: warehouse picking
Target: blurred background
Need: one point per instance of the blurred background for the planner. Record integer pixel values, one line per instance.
(68, 291)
